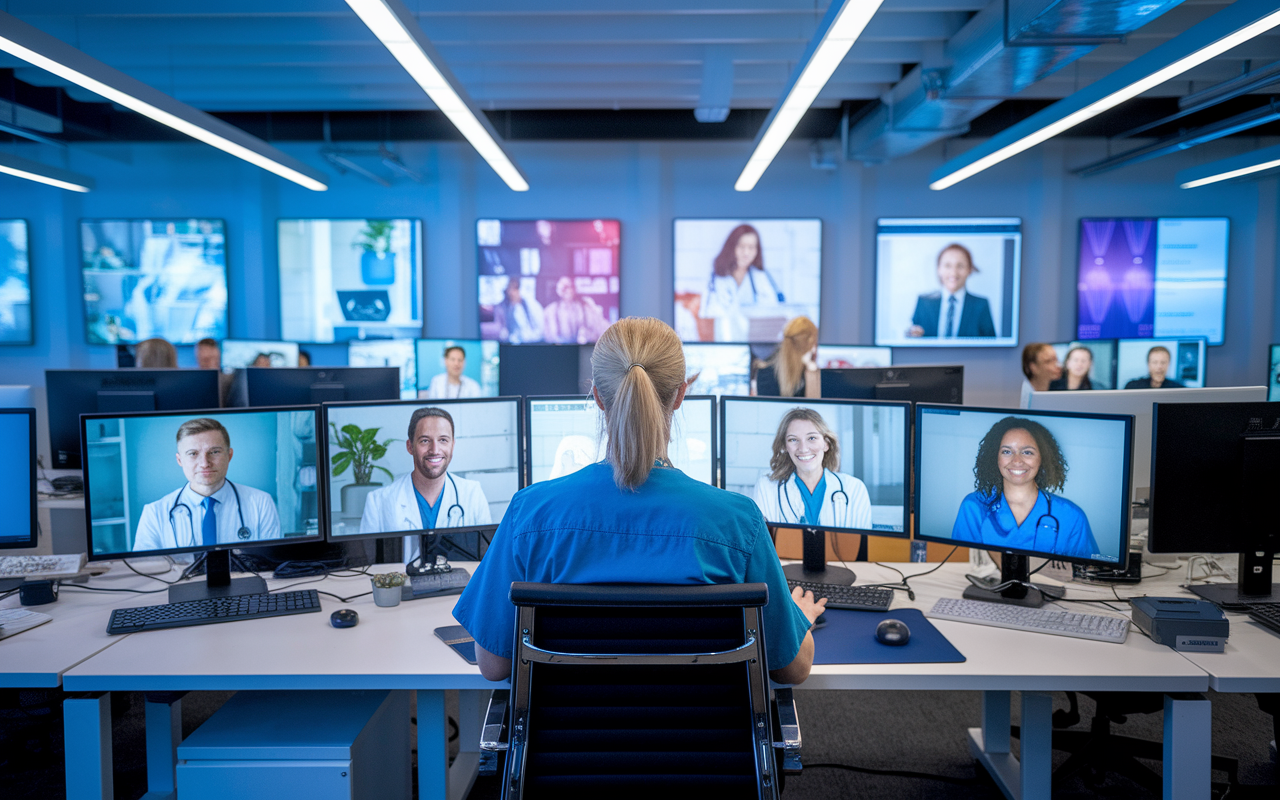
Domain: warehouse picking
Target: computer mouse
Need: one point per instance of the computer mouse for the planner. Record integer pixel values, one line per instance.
(346, 618)
(893, 631)
(821, 621)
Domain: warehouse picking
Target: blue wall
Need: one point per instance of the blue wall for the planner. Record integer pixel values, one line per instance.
(646, 185)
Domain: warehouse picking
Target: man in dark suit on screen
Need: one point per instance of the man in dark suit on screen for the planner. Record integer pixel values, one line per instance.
(953, 312)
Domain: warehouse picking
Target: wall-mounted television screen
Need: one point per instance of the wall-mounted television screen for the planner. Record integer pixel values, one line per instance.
(743, 280)
(1152, 278)
(241, 353)
(15, 283)
(1174, 363)
(388, 353)
(948, 282)
(457, 368)
(146, 278)
(552, 281)
(343, 279)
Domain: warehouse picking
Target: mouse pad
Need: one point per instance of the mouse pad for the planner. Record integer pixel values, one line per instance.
(849, 637)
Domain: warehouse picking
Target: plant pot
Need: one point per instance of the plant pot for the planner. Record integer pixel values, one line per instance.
(353, 496)
(388, 597)
(378, 269)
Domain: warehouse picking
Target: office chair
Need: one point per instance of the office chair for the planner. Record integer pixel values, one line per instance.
(661, 689)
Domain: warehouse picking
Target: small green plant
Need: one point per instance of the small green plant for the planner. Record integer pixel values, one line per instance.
(376, 236)
(388, 580)
(359, 449)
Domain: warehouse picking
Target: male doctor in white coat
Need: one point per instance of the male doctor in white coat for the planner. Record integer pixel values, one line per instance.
(429, 497)
(803, 486)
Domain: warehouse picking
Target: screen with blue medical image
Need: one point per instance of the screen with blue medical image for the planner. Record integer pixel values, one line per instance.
(149, 278)
(1273, 374)
(567, 433)
(1054, 485)
(830, 464)
(15, 283)
(400, 353)
(166, 483)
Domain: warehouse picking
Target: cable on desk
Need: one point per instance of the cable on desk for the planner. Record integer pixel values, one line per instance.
(155, 576)
(903, 585)
(9, 593)
(85, 588)
(899, 773)
(344, 599)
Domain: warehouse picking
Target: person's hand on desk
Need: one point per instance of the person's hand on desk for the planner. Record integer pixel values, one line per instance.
(811, 606)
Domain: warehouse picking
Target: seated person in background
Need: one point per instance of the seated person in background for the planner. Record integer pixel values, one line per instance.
(803, 486)
(1018, 465)
(1040, 365)
(952, 312)
(208, 354)
(792, 370)
(261, 360)
(573, 319)
(452, 383)
(1076, 372)
(304, 358)
(633, 518)
(1157, 370)
(155, 354)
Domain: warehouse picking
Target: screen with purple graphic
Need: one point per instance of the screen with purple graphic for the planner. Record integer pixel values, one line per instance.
(1148, 277)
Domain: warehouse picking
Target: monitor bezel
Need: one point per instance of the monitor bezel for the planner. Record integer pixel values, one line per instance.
(321, 485)
(31, 291)
(326, 522)
(1126, 488)
(905, 405)
(33, 537)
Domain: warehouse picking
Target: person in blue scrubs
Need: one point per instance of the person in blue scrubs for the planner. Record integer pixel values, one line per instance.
(633, 518)
(1018, 470)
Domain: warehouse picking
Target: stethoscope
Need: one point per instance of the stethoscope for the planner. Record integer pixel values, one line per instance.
(448, 514)
(755, 296)
(243, 533)
(994, 506)
(799, 518)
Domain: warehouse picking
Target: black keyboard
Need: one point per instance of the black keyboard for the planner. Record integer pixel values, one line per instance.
(859, 598)
(212, 609)
(1267, 615)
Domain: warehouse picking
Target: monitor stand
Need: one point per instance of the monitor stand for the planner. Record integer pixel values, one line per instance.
(1253, 585)
(814, 568)
(218, 581)
(1015, 570)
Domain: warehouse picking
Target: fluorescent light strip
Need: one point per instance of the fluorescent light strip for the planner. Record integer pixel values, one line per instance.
(1235, 173)
(38, 178)
(836, 41)
(386, 25)
(1112, 100)
(42, 173)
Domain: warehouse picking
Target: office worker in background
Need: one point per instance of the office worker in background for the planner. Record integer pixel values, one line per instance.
(952, 312)
(430, 496)
(803, 486)
(155, 353)
(304, 358)
(633, 518)
(261, 360)
(519, 319)
(1157, 372)
(1041, 367)
(792, 370)
(208, 509)
(452, 383)
(208, 354)
(572, 319)
(739, 281)
(1075, 372)
(1017, 473)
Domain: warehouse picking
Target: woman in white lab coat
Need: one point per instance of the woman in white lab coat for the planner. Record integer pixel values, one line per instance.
(740, 287)
(803, 486)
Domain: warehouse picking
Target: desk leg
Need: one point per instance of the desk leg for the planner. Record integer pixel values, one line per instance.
(1188, 724)
(164, 734)
(1037, 746)
(1031, 779)
(86, 724)
(433, 746)
(472, 705)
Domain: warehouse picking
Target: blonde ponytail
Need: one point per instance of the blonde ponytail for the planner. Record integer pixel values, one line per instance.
(638, 368)
(798, 338)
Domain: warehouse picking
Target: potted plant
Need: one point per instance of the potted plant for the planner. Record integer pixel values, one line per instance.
(387, 589)
(357, 449)
(377, 262)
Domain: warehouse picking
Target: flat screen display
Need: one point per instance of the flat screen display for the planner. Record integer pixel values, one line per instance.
(1152, 278)
(400, 353)
(343, 279)
(15, 283)
(147, 278)
(1094, 359)
(844, 356)
(553, 281)
(1177, 363)
(241, 353)
(742, 280)
(1273, 374)
(719, 368)
(457, 368)
(948, 282)
(18, 477)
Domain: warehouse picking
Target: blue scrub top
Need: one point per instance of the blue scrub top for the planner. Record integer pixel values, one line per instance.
(429, 513)
(672, 530)
(987, 520)
(812, 500)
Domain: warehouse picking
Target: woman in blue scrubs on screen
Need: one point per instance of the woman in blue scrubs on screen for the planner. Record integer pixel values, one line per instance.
(634, 518)
(1017, 472)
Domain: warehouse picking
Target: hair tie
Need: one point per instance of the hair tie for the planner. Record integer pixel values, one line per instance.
(641, 366)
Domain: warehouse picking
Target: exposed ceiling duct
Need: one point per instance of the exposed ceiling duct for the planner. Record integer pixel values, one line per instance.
(1005, 48)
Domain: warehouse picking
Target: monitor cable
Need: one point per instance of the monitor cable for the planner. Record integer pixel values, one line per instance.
(904, 585)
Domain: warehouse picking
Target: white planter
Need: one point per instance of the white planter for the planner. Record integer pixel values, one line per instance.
(387, 597)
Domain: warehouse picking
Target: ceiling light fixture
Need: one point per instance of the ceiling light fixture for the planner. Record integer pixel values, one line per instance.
(1230, 168)
(837, 32)
(59, 58)
(399, 32)
(42, 173)
(1234, 25)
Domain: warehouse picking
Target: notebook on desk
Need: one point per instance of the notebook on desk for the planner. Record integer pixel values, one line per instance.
(17, 620)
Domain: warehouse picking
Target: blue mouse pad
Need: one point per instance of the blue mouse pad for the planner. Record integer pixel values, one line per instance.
(849, 637)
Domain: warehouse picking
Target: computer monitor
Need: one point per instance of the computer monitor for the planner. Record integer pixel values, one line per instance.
(1026, 484)
(720, 368)
(478, 371)
(567, 433)
(544, 369)
(1273, 374)
(15, 284)
(241, 353)
(385, 461)
(314, 385)
(1214, 469)
(1138, 404)
(16, 397)
(857, 452)
(1139, 361)
(846, 356)
(75, 392)
(400, 353)
(1099, 355)
(919, 384)
(18, 477)
(201, 481)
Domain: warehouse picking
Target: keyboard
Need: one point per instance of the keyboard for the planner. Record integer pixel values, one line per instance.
(213, 609)
(859, 598)
(41, 567)
(1036, 620)
(1266, 615)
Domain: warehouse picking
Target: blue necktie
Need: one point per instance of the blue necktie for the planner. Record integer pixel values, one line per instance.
(951, 316)
(209, 528)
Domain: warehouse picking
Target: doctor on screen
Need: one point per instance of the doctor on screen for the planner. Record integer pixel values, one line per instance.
(803, 487)
(209, 509)
(452, 383)
(952, 312)
(430, 497)
(740, 287)
(1019, 466)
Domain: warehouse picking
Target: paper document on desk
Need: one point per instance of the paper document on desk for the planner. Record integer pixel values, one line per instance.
(17, 620)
